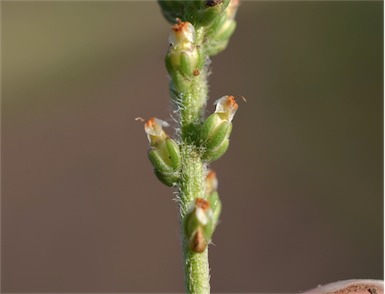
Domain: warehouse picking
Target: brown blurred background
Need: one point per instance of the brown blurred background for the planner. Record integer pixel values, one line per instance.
(301, 185)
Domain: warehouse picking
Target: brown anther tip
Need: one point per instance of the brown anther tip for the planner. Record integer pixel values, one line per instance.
(202, 203)
(196, 72)
(149, 123)
(212, 3)
(179, 26)
(231, 102)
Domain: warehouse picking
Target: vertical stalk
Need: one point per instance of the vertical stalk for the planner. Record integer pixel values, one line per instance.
(196, 265)
(191, 183)
(200, 29)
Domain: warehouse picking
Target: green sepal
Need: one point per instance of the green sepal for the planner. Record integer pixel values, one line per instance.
(181, 65)
(214, 132)
(216, 206)
(179, 60)
(214, 154)
(219, 134)
(158, 161)
(166, 160)
(186, 65)
(173, 153)
(220, 38)
(209, 11)
(208, 126)
(169, 179)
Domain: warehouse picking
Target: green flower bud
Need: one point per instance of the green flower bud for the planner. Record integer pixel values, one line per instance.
(216, 129)
(209, 11)
(183, 56)
(198, 225)
(166, 156)
(221, 37)
(169, 179)
(222, 29)
(164, 152)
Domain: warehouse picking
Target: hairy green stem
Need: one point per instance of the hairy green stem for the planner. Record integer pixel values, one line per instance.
(196, 265)
(191, 184)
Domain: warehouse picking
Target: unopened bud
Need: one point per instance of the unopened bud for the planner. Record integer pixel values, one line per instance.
(182, 55)
(198, 225)
(164, 153)
(222, 29)
(216, 129)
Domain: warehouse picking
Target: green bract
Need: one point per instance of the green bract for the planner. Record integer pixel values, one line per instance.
(214, 131)
(214, 154)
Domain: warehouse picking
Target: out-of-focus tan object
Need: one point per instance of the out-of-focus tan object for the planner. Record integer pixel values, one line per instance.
(350, 286)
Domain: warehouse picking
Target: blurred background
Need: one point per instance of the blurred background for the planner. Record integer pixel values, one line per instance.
(301, 185)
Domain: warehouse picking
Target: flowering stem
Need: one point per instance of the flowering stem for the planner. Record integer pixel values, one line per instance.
(191, 96)
(196, 265)
(201, 28)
